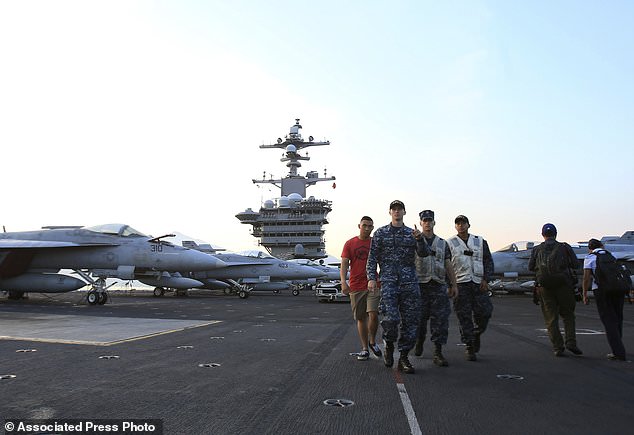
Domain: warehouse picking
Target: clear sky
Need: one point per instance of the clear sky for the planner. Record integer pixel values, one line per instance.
(150, 113)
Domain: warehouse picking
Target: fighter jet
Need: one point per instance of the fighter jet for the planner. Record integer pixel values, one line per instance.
(511, 268)
(249, 271)
(31, 260)
(511, 262)
(331, 273)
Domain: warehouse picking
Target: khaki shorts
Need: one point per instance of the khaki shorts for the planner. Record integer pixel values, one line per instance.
(363, 302)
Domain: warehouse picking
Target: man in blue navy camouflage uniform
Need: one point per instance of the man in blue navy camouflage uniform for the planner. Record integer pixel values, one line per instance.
(433, 272)
(394, 248)
(473, 266)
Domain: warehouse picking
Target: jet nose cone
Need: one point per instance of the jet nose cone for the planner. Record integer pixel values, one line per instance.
(312, 272)
(199, 261)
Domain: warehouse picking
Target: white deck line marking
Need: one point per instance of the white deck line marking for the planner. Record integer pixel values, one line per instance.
(409, 411)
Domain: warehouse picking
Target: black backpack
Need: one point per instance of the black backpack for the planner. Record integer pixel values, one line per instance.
(552, 265)
(611, 277)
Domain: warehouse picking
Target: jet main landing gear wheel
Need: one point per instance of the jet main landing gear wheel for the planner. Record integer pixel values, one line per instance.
(102, 298)
(92, 297)
(98, 295)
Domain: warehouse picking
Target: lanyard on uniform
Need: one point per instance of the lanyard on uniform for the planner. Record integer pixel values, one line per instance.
(468, 252)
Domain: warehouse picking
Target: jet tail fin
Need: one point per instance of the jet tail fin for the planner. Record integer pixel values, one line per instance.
(626, 239)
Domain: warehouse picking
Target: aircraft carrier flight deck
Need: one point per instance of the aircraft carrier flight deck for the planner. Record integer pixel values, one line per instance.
(283, 364)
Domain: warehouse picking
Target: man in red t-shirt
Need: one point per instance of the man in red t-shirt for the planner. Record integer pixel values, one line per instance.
(365, 304)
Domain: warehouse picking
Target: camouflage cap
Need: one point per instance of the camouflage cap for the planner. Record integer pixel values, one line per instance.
(426, 214)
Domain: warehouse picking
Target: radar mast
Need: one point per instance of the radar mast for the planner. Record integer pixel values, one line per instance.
(291, 226)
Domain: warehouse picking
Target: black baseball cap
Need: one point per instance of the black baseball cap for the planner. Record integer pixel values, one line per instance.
(549, 230)
(461, 218)
(397, 204)
(426, 214)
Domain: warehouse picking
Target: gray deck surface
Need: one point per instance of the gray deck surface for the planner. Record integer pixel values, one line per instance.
(280, 357)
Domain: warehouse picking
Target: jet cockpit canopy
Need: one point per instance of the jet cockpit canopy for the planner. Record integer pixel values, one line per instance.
(518, 246)
(121, 230)
(256, 254)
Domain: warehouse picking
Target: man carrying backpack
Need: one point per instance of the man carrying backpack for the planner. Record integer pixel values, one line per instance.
(554, 264)
(601, 271)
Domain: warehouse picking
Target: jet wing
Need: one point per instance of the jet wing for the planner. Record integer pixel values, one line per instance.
(619, 255)
(45, 244)
(240, 263)
(624, 255)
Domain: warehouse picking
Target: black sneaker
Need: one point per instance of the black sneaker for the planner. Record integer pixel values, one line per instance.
(574, 349)
(376, 350)
(363, 355)
(559, 352)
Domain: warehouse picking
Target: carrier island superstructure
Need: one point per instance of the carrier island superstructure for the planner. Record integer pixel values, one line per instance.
(291, 226)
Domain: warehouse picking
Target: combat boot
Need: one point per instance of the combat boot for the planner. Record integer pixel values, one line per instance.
(476, 343)
(439, 359)
(418, 349)
(404, 365)
(388, 355)
(470, 353)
